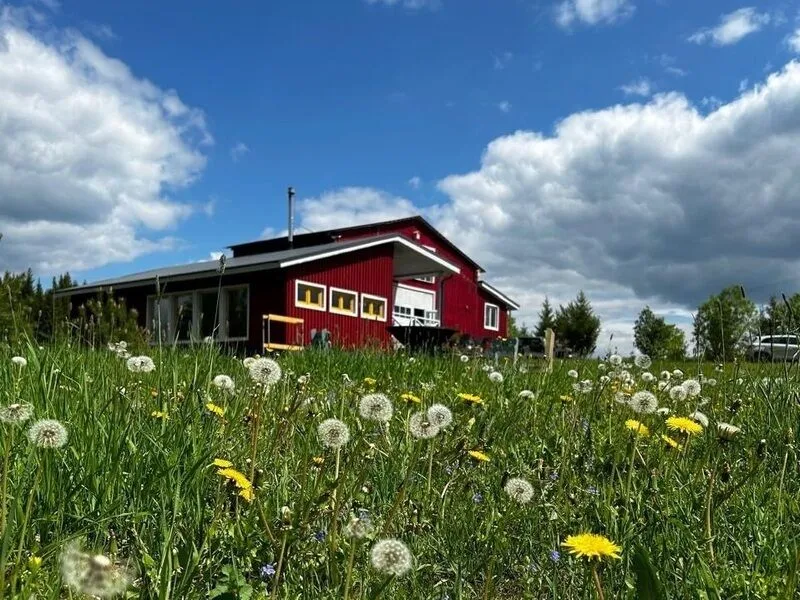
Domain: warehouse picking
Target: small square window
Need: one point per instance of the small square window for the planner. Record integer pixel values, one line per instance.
(373, 307)
(491, 317)
(344, 302)
(309, 295)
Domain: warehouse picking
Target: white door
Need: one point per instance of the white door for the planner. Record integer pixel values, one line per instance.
(414, 306)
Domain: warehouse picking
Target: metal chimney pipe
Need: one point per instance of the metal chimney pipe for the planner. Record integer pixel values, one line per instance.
(290, 193)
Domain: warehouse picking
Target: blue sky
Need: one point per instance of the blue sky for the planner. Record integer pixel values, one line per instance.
(374, 108)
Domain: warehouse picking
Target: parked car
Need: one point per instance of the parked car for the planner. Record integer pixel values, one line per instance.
(774, 348)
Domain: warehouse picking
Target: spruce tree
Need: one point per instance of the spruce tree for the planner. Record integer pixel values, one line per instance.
(547, 318)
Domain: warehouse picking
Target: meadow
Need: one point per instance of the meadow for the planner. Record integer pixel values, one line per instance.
(323, 474)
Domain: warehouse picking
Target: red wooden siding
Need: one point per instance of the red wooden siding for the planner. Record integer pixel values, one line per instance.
(365, 271)
(462, 299)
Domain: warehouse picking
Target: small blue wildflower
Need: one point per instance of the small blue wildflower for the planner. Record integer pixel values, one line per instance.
(592, 490)
(554, 475)
(320, 535)
(477, 498)
(267, 571)
(555, 555)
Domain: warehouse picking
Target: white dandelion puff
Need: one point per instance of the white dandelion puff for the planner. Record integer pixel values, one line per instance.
(464, 358)
(621, 397)
(692, 387)
(604, 379)
(677, 393)
(93, 574)
(421, 427)
(496, 377)
(265, 371)
(440, 415)
(520, 490)
(648, 377)
(662, 385)
(224, 383)
(140, 364)
(48, 433)
(16, 413)
(642, 361)
(666, 375)
(663, 411)
(249, 360)
(601, 367)
(572, 373)
(643, 402)
(677, 373)
(615, 360)
(527, 394)
(358, 527)
(711, 382)
(727, 431)
(699, 417)
(391, 557)
(333, 433)
(19, 361)
(376, 407)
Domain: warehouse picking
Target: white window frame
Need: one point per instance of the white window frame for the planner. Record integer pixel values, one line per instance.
(194, 336)
(335, 309)
(373, 317)
(324, 288)
(486, 325)
(428, 279)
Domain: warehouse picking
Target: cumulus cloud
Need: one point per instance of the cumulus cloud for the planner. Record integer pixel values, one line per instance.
(415, 182)
(504, 106)
(409, 4)
(660, 203)
(793, 41)
(592, 12)
(732, 27)
(88, 152)
(638, 87)
(238, 150)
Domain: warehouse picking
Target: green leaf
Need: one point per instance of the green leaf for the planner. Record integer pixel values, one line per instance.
(648, 586)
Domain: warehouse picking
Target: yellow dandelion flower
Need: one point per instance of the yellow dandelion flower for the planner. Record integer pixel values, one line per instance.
(154, 393)
(684, 425)
(217, 410)
(237, 477)
(637, 427)
(318, 460)
(222, 463)
(671, 443)
(479, 456)
(34, 562)
(591, 546)
(471, 398)
(409, 397)
(248, 494)
(159, 415)
(566, 398)
(370, 381)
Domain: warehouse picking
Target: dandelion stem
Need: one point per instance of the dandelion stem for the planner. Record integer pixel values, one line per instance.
(279, 569)
(630, 464)
(349, 575)
(382, 587)
(430, 470)
(25, 520)
(709, 534)
(598, 584)
(9, 443)
(780, 485)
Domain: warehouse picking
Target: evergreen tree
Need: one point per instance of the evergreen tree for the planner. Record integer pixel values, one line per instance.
(547, 318)
(577, 326)
(723, 323)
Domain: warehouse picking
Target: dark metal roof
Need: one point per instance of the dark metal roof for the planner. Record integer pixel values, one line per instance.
(243, 263)
(499, 295)
(324, 236)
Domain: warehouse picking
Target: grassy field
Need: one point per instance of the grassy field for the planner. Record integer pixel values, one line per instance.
(171, 484)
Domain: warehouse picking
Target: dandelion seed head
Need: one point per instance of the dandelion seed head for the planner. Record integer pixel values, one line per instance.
(663, 411)
(249, 360)
(421, 427)
(359, 527)
(376, 407)
(224, 383)
(333, 433)
(572, 373)
(678, 393)
(615, 360)
(642, 361)
(677, 373)
(391, 557)
(265, 371)
(140, 364)
(520, 490)
(93, 574)
(16, 413)
(699, 417)
(496, 377)
(47, 433)
(644, 402)
(464, 358)
(727, 432)
(692, 387)
(648, 377)
(19, 361)
(527, 394)
(666, 375)
(440, 415)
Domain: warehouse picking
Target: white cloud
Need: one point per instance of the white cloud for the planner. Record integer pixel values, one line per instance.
(88, 152)
(793, 41)
(409, 4)
(638, 87)
(501, 61)
(732, 27)
(660, 203)
(504, 106)
(592, 12)
(238, 150)
(415, 182)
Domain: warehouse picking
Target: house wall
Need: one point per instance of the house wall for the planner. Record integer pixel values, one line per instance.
(365, 271)
(462, 299)
(266, 296)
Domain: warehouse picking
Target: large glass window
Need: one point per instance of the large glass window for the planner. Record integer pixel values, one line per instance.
(344, 302)
(184, 304)
(209, 315)
(309, 295)
(160, 311)
(237, 312)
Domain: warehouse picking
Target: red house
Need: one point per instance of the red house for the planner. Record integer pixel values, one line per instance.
(355, 282)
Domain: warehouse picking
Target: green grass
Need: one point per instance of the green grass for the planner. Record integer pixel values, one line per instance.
(143, 490)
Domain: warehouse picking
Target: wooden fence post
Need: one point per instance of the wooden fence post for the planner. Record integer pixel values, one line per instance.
(549, 347)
